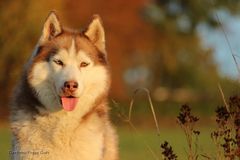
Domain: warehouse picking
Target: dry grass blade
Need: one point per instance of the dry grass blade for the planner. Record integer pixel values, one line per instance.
(205, 156)
(151, 106)
(128, 120)
(223, 97)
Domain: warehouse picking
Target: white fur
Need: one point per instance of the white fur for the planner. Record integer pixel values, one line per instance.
(42, 82)
(59, 138)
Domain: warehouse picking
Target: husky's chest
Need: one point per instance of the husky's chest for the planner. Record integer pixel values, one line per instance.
(65, 138)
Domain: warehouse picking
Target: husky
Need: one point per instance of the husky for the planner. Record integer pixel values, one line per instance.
(59, 109)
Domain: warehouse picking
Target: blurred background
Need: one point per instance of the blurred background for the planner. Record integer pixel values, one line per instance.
(180, 50)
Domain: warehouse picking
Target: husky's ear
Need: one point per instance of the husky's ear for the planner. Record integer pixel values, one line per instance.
(51, 28)
(95, 32)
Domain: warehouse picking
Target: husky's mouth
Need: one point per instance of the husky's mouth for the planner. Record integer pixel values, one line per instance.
(69, 103)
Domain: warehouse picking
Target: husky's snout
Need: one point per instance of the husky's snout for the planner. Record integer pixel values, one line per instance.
(70, 87)
(69, 99)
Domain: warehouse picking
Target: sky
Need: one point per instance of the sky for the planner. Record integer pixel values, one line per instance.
(215, 38)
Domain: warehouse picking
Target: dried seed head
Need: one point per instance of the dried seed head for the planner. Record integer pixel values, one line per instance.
(168, 152)
(185, 115)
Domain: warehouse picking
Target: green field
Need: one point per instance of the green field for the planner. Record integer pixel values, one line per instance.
(134, 145)
(5, 140)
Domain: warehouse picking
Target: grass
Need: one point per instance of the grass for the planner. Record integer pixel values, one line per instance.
(132, 145)
(5, 141)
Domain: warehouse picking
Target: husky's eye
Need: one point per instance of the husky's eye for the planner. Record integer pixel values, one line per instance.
(58, 62)
(84, 64)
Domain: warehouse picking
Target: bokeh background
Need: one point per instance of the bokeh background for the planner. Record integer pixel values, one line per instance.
(180, 50)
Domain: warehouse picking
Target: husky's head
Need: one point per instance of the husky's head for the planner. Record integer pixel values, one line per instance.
(69, 68)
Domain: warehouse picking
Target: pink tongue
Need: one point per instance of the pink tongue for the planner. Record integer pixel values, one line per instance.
(69, 103)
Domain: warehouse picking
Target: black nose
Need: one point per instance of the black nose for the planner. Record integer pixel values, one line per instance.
(70, 85)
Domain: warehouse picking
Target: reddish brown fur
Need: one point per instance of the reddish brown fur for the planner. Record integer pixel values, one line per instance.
(64, 41)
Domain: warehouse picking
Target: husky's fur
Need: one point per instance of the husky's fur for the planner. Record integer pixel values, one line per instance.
(41, 129)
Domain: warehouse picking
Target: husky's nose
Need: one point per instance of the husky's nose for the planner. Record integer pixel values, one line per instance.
(70, 86)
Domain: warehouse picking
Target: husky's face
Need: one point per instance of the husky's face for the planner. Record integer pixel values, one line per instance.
(69, 67)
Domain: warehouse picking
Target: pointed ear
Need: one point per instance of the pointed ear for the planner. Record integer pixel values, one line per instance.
(95, 32)
(51, 28)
